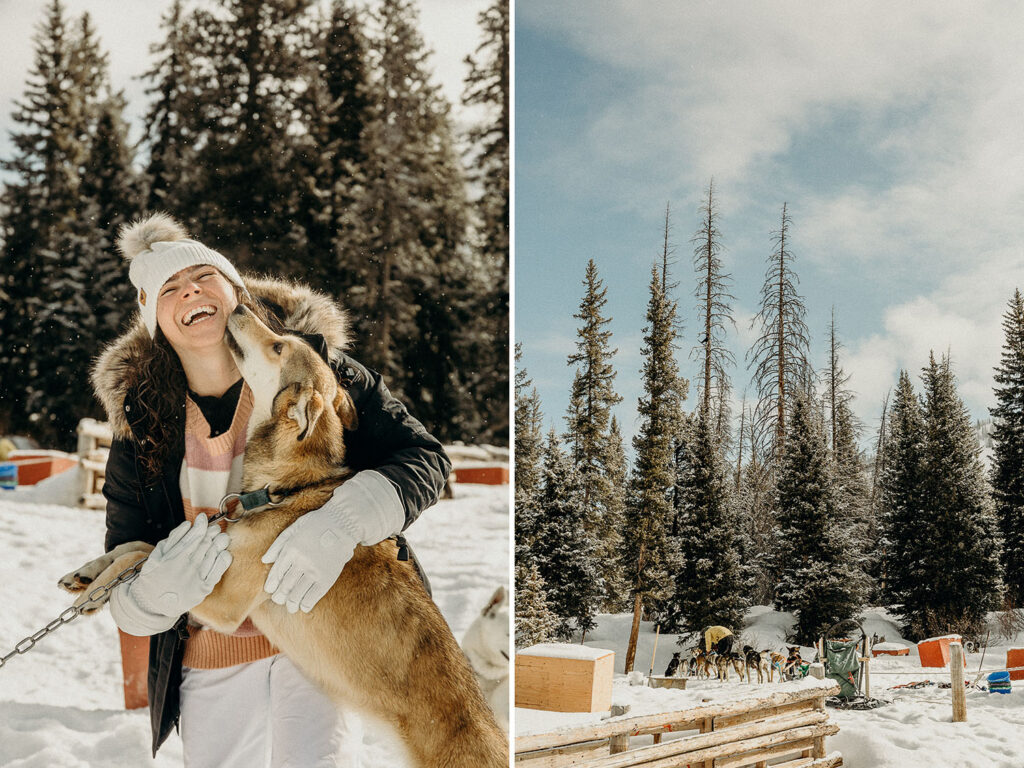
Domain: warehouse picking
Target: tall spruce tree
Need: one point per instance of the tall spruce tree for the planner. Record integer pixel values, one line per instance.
(1008, 448)
(648, 553)
(173, 121)
(848, 465)
(70, 174)
(611, 536)
(415, 307)
(529, 451)
(902, 500)
(708, 586)
(591, 400)
(958, 577)
(818, 576)
(564, 549)
(245, 71)
(487, 88)
(334, 110)
(779, 355)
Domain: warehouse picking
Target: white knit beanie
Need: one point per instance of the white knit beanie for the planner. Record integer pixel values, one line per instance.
(158, 248)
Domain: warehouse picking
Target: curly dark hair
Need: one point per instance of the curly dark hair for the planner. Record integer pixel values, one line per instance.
(161, 391)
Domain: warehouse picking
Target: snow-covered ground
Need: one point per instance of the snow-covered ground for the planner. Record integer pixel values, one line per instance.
(61, 704)
(913, 730)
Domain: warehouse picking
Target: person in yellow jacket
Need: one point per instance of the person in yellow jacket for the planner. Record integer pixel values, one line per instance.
(718, 639)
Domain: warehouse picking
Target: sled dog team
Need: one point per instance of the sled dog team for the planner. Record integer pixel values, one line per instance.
(705, 664)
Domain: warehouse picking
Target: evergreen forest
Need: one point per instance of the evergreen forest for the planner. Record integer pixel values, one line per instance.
(305, 140)
(776, 497)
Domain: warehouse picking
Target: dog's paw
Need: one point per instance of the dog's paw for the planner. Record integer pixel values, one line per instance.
(75, 581)
(91, 601)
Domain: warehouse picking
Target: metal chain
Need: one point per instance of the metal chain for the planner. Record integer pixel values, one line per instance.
(70, 614)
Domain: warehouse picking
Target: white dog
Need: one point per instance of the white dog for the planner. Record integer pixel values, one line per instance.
(487, 645)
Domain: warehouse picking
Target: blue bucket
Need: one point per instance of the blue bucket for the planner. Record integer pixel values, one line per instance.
(8, 475)
(999, 682)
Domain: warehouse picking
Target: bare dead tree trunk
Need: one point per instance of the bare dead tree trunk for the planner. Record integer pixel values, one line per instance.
(739, 451)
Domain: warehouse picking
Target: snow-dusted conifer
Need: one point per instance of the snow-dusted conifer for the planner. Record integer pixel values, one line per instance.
(648, 554)
(564, 549)
(956, 577)
(1008, 439)
(818, 577)
(529, 451)
(172, 121)
(708, 585)
(902, 496)
(588, 419)
(617, 467)
(535, 621)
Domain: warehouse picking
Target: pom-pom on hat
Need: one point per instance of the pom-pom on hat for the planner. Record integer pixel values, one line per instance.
(158, 248)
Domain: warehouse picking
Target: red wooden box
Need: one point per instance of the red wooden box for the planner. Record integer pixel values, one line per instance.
(934, 651)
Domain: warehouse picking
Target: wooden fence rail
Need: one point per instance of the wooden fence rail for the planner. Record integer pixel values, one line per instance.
(785, 724)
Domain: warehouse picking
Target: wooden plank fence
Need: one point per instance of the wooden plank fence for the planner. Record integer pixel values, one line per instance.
(786, 725)
(93, 446)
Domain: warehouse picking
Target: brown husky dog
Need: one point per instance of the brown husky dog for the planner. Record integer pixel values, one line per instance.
(376, 640)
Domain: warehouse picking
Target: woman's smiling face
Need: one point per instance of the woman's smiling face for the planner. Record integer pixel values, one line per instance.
(193, 307)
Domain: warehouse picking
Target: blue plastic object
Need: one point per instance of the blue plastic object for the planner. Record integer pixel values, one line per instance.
(8, 475)
(999, 682)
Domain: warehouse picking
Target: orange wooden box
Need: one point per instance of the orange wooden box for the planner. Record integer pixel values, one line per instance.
(33, 467)
(934, 651)
(134, 668)
(482, 475)
(890, 651)
(558, 677)
(1015, 658)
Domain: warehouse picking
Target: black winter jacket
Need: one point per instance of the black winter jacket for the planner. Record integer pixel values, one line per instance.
(388, 439)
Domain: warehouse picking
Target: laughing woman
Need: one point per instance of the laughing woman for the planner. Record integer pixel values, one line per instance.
(179, 409)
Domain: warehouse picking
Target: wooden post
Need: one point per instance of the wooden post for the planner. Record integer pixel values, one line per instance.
(956, 679)
(657, 634)
(619, 744)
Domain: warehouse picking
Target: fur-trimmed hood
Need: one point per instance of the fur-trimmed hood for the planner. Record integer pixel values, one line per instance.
(117, 370)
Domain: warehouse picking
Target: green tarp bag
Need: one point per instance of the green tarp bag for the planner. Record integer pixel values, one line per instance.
(842, 665)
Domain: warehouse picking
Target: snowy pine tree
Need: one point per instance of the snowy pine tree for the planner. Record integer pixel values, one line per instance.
(902, 496)
(535, 621)
(1008, 439)
(818, 577)
(591, 401)
(70, 175)
(529, 453)
(648, 555)
(611, 535)
(564, 549)
(955, 547)
(487, 89)
(708, 585)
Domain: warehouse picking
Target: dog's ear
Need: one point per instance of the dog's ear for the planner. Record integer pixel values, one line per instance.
(496, 599)
(346, 410)
(305, 411)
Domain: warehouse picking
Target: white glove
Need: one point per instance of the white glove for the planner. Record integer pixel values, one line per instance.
(308, 555)
(180, 571)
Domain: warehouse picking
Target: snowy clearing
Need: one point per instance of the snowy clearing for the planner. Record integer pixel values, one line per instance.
(914, 730)
(61, 704)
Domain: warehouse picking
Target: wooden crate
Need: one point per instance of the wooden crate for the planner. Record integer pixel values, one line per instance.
(1015, 658)
(558, 677)
(934, 651)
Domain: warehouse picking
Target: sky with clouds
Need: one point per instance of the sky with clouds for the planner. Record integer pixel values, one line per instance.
(894, 132)
(128, 28)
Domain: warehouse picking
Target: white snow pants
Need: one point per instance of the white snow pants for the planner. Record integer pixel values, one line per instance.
(256, 715)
